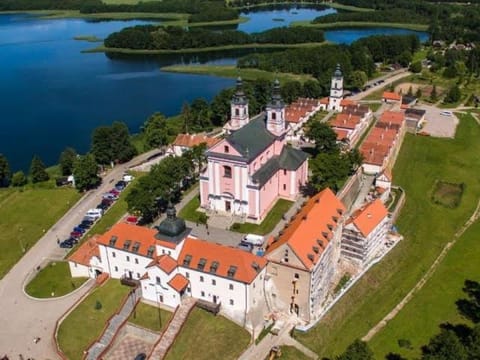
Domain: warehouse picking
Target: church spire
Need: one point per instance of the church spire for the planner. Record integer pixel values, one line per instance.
(276, 111)
(239, 108)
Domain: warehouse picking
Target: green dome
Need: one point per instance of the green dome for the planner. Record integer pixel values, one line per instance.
(171, 226)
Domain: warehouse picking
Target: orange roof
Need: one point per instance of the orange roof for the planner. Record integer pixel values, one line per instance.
(392, 96)
(178, 282)
(345, 121)
(347, 102)
(341, 134)
(137, 235)
(85, 252)
(312, 228)
(368, 218)
(196, 252)
(324, 100)
(392, 117)
(191, 140)
(165, 262)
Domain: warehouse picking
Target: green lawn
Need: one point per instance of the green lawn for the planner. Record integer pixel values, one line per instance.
(206, 337)
(148, 316)
(231, 71)
(268, 224)
(53, 279)
(292, 353)
(427, 227)
(84, 324)
(26, 215)
(189, 211)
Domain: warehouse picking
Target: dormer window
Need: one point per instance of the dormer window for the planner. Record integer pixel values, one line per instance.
(226, 148)
(227, 172)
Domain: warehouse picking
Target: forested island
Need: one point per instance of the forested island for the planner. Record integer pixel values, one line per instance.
(175, 38)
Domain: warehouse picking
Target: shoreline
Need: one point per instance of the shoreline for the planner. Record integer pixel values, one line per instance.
(361, 24)
(231, 71)
(332, 5)
(200, 50)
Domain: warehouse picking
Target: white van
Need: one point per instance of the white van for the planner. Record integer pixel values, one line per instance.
(256, 240)
(94, 213)
(127, 178)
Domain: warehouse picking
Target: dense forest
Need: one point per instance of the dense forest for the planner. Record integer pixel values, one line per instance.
(384, 16)
(320, 62)
(174, 38)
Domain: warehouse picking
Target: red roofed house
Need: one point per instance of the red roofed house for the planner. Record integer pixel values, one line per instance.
(303, 258)
(365, 231)
(168, 265)
(353, 125)
(297, 114)
(184, 142)
(391, 97)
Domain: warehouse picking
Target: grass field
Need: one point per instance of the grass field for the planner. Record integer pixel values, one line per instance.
(189, 211)
(268, 224)
(53, 279)
(447, 194)
(85, 323)
(148, 316)
(292, 353)
(360, 24)
(427, 227)
(26, 215)
(204, 49)
(206, 336)
(231, 71)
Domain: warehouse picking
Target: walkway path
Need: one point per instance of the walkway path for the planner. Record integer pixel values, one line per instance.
(169, 335)
(24, 318)
(114, 324)
(371, 333)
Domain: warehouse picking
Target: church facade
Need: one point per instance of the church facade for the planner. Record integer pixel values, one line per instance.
(252, 166)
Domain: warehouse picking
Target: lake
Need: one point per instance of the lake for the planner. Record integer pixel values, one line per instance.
(53, 96)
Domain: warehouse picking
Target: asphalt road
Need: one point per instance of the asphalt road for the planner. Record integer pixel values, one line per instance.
(23, 318)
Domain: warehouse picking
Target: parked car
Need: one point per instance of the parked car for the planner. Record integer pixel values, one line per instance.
(132, 219)
(245, 247)
(110, 196)
(122, 184)
(141, 356)
(94, 213)
(102, 206)
(127, 178)
(84, 226)
(107, 202)
(79, 229)
(66, 244)
(76, 234)
(72, 240)
(253, 239)
(89, 219)
(114, 192)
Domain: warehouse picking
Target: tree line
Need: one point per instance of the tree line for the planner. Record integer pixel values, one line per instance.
(383, 16)
(356, 60)
(176, 38)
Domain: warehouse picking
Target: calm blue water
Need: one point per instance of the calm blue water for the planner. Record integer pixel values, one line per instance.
(53, 96)
(347, 36)
(264, 19)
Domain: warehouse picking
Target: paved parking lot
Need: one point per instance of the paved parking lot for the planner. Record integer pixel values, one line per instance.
(438, 125)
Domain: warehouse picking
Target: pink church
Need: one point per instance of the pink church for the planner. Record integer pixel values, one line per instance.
(252, 166)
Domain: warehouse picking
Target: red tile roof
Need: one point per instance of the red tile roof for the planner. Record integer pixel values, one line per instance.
(312, 228)
(191, 140)
(324, 100)
(391, 96)
(392, 118)
(165, 262)
(85, 252)
(345, 121)
(145, 237)
(247, 265)
(178, 282)
(341, 134)
(369, 217)
(347, 102)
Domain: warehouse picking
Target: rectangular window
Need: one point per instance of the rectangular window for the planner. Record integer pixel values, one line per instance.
(158, 280)
(284, 172)
(297, 276)
(202, 294)
(230, 286)
(227, 172)
(115, 268)
(128, 258)
(231, 301)
(138, 275)
(214, 282)
(136, 260)
(226, 149)
(284, 187)
(113, 254)
(187, 275)
(201, 278)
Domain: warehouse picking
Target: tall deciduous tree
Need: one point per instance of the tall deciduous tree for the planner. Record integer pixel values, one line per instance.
(112, 144)
(37, 170)
(324, 137)
(156, 131)
(4, 171)
(67, 158)
(85, 173)
(445, 346)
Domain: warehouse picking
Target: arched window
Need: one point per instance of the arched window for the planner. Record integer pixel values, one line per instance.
(274, 116)
(237, 112)
(227, 172)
